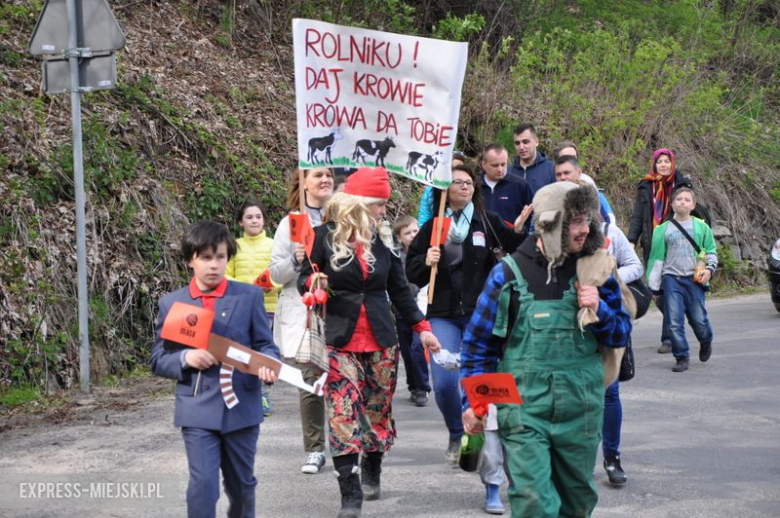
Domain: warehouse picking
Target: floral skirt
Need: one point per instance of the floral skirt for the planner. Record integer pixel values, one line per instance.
(359, 399)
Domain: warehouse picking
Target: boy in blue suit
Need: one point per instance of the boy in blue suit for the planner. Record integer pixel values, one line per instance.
(218, 432)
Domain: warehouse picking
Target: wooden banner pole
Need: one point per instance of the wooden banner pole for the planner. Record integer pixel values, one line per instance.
(437, 230)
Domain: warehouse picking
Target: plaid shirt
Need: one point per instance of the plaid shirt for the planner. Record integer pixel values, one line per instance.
(481, 350)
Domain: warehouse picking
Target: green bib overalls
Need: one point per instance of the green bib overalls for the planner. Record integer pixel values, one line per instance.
(552, 439)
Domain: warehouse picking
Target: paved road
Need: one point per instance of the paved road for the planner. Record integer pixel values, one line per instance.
(705, 443)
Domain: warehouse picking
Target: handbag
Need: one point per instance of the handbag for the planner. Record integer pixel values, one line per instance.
(642, 296)
(627, 365)
(313, 349)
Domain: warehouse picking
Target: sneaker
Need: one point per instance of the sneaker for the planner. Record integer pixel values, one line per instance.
(614, 471)
(705, 351)
(421, 399)
(665, 348)
(453, 450)
(681, 365)
(314, 463)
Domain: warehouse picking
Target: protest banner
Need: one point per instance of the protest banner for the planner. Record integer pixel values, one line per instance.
(374, 98)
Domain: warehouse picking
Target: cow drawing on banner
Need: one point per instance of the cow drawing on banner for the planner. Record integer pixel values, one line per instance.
(318, 145)
(378, 148)
(420, 163)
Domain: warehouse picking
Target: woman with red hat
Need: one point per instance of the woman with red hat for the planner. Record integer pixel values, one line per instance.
(359, 266)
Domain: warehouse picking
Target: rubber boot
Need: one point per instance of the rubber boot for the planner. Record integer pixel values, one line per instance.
(351, 494)
(493, 504)
(370, 471)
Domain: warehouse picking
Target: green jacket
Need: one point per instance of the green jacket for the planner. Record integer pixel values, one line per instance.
(702, 235)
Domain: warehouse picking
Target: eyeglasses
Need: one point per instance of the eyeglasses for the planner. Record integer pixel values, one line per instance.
(580, 221)
(467, 183)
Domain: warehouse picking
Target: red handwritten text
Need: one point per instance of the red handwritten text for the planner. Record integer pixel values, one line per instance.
(427, 132)
(405, 92)
(334, 116)
(317, 78)
(365, 49)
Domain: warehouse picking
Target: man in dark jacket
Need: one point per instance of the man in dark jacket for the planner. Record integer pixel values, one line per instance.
(530, 164)
(500, 194)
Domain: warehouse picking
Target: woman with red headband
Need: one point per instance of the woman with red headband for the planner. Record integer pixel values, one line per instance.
(653, 206)
(359, 266)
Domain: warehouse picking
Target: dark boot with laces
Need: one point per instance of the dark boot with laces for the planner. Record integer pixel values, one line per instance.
(351, 494)
(370, 471)
(614, 470)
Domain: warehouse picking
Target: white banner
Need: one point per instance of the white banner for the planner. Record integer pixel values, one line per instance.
(378, 99)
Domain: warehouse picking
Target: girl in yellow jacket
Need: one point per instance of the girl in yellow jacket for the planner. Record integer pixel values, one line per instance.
(251, 261)
(254, 252)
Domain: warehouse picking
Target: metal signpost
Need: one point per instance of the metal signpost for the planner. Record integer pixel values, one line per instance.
(79, 38)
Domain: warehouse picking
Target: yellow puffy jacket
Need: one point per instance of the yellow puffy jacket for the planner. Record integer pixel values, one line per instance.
(252, 259)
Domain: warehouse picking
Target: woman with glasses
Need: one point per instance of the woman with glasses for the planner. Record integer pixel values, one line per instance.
(464, 260)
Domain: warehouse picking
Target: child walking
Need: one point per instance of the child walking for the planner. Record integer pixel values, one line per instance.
(252, 258)
(683, 257)
(404, 229)
(216, 436)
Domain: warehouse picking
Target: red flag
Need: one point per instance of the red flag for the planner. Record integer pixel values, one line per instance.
(264, 280)
(484, 389)
(445, 229)
(301, 231)
(188, 325)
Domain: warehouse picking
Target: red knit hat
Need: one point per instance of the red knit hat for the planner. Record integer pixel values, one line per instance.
(371, 182)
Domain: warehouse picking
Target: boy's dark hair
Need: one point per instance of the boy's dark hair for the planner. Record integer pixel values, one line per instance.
(401, 223)
(525, 126)
(684, 189)
(251, 202)
(206, 235)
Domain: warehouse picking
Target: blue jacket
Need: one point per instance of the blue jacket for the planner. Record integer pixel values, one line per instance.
(239, 316)
(507, 199)
(538, 174)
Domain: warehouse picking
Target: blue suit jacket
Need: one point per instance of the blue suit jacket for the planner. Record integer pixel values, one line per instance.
(239, 316)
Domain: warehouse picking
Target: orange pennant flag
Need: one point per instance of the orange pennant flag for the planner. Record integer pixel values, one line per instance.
(264, 280)
(301, 231)
(496, 388)
(445, 230)
(188, 325)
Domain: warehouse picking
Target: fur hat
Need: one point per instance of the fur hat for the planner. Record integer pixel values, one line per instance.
(370, 182)
(554, 205)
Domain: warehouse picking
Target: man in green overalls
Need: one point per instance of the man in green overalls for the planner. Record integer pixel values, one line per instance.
(526, 323)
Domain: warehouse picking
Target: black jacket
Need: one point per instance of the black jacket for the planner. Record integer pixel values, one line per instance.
(477, 262)
(349, 291)
(640, 227)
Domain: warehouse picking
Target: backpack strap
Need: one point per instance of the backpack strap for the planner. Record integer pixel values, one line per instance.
(687, 236)
(508, 298)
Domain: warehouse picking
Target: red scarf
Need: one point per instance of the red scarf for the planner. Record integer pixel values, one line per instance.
(208, 299)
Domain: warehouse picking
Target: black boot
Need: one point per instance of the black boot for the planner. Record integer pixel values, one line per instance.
(370, 471)
(351, 494)
(614, 470)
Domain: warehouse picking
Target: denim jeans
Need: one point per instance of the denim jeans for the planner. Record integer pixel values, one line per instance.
(665, 335)
(414, 356)
(613, 420)
(446, 384)
(683, 297)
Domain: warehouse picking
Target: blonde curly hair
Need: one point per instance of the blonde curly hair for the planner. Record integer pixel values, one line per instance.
(354, 224)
